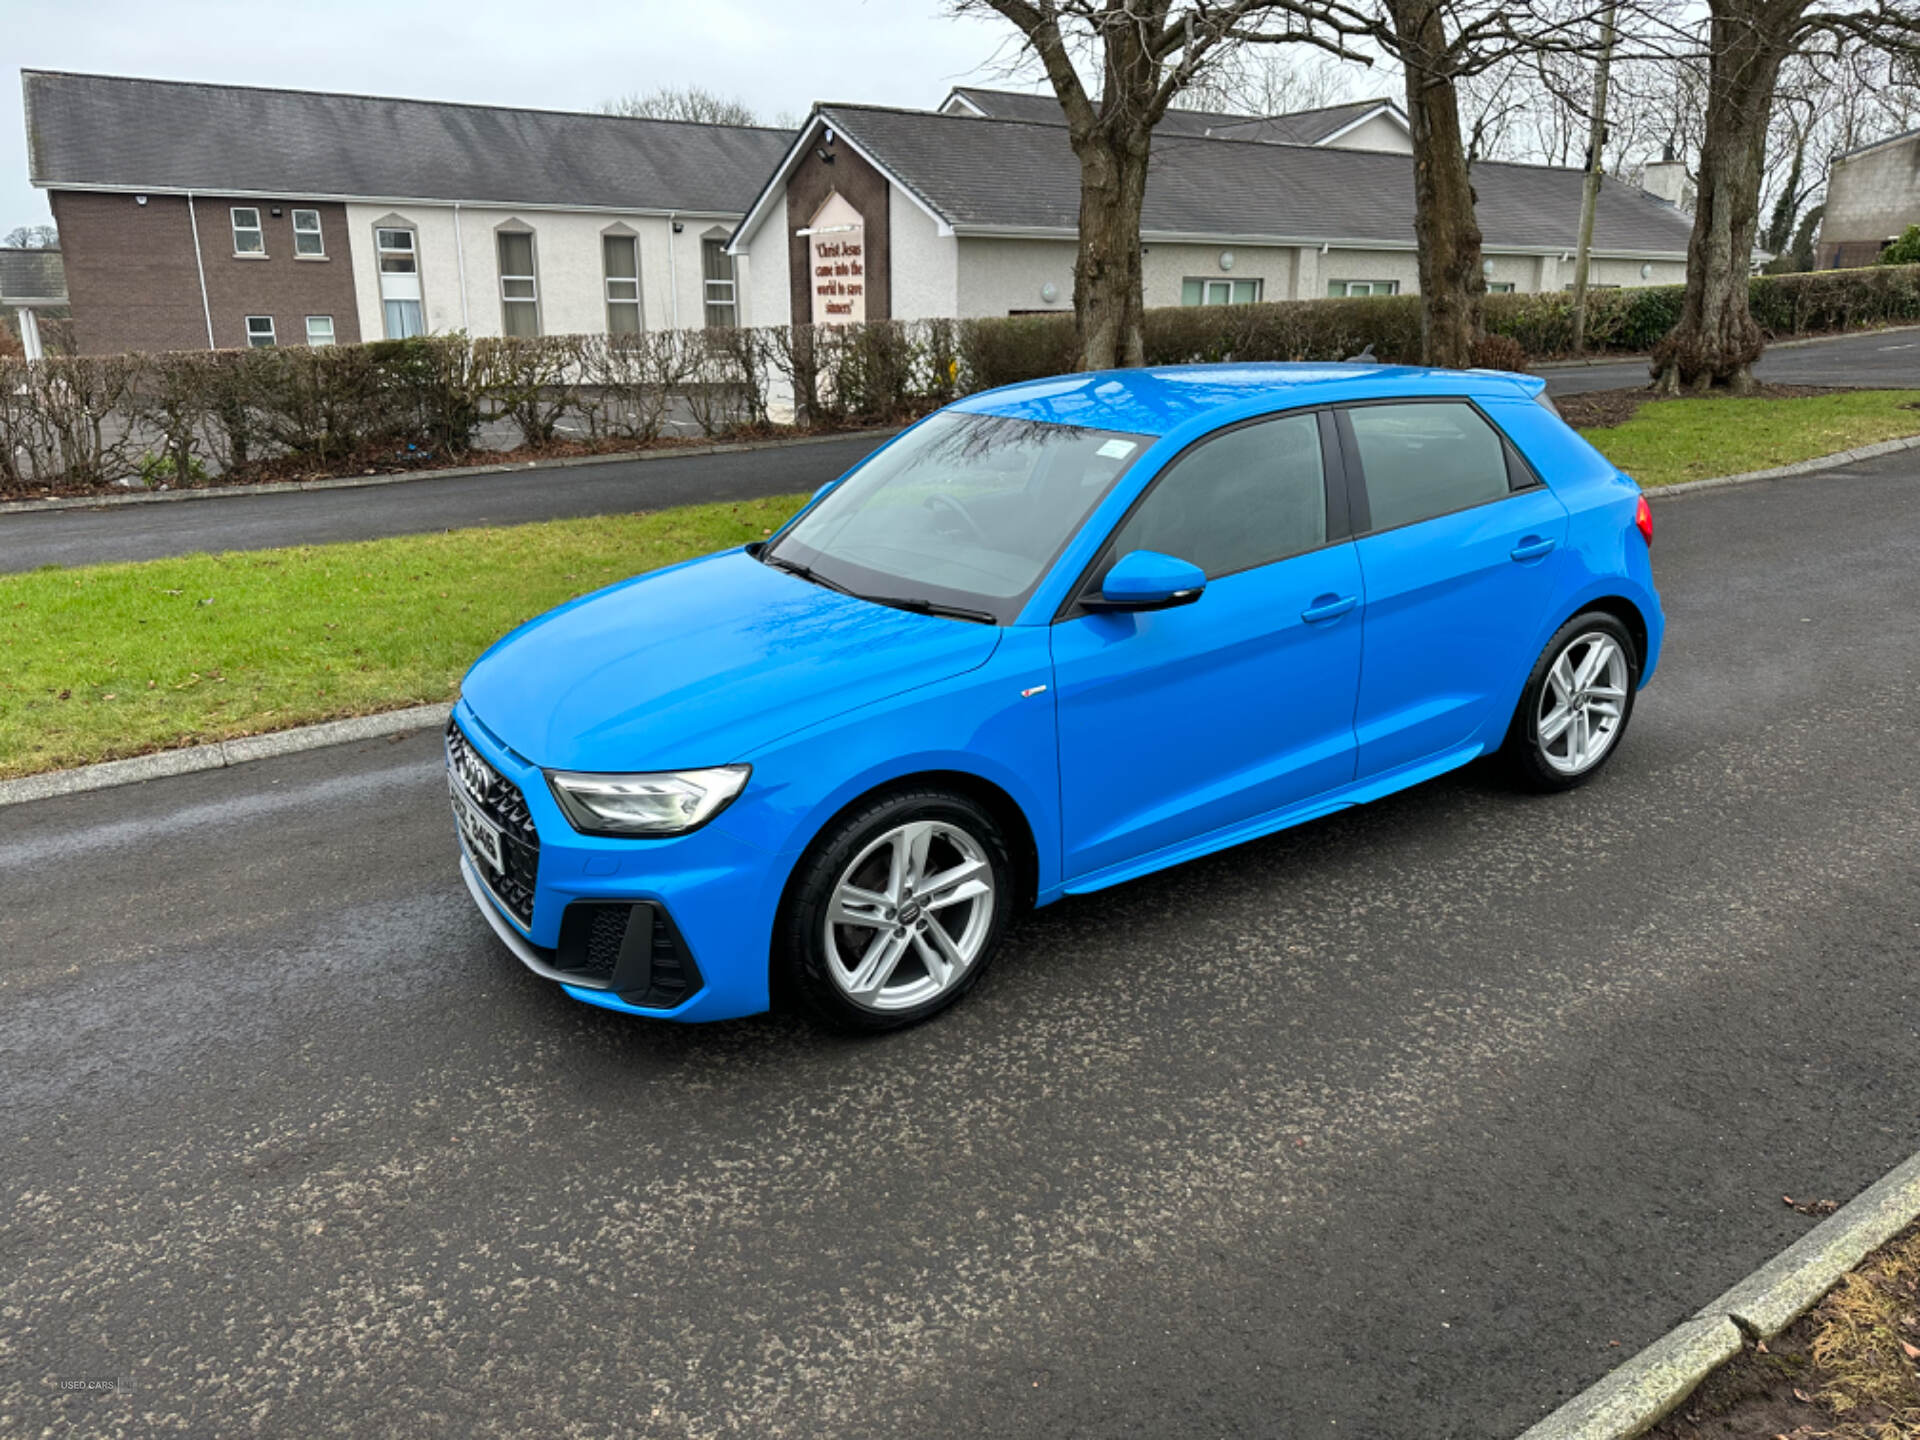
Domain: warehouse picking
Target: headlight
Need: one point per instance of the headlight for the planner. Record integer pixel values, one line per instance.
(670, 803)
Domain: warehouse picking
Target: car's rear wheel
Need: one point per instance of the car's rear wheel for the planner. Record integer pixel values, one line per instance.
(896, 910)
(1576, 705)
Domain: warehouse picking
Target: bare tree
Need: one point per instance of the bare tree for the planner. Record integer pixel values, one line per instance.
(1146, 54)
(669, 102)
(1268, 82)
(1440, 45)
(31, 237)
(1748, 41)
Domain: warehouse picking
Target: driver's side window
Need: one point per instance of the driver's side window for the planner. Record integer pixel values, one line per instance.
(1244, 498)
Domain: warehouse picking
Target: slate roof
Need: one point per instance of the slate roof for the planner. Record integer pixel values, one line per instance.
(998, 175)
(32, 275)
(162, 135)
(1301, 127)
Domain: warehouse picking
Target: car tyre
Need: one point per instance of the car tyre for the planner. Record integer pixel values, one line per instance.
(1574, 710)
(895, 910)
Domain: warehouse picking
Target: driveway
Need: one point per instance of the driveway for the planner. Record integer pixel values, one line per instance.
(1413, 1121)
(1884, 359)
(317, 517)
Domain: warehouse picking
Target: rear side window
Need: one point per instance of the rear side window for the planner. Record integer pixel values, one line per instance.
(1427, 459)
(1249, 497)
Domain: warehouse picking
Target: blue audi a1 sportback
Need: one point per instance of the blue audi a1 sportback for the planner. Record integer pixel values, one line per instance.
(1050, 638)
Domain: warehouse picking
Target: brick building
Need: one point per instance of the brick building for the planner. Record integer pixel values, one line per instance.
(216, 216)
(1873, 195)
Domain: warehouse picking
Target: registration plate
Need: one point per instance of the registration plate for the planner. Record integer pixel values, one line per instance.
(481, 834)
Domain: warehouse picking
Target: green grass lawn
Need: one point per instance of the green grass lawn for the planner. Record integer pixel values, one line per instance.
(1668, 441)
(114, 660)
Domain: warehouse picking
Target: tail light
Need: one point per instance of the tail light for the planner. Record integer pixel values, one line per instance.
(1643, 520)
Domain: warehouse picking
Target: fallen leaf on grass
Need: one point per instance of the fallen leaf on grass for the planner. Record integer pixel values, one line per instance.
(1913, 1351)
(1802, 1396)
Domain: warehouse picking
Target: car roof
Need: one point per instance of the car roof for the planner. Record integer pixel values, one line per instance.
(1159, 400)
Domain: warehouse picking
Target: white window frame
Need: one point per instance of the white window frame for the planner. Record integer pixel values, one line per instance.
(1224, 285)
(257, 229)
(712, 291)
(1360, 289)
(411, 249)
(319, 237)
(254, 336)
(610, 280)
(330, 333)
(531, 281)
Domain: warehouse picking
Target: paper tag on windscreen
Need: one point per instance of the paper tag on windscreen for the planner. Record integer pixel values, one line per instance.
(1115, 450)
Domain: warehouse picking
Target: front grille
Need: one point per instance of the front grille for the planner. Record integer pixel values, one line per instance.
(501, 802)
(631, 949)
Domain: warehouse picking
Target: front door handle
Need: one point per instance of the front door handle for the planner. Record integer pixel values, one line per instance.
(1328, 607)
(1533, 547)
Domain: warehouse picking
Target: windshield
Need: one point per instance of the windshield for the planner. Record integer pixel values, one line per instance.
(963, 511)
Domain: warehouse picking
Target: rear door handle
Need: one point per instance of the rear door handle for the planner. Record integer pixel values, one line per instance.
(1533, 547)
(1328, 607)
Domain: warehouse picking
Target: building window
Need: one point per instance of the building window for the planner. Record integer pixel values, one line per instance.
(1499, 287)
(399, 282)
(621, 255)
(319, 330)
(1363, 287)
(247, 236)
(1219, 292)
(717, 266)
(306, 235)
(260, 331)
(519, 293)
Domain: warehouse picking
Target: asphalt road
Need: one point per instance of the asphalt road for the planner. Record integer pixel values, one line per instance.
(316, 517)
(1413, 1121)
(1883, 359)
(145, 532)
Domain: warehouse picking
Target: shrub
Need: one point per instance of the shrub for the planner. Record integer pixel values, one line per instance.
(1499, 352)
(1905, 250)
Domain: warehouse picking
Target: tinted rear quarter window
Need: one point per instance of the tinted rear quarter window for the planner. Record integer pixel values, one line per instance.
(1248, 497)
(1425, 459)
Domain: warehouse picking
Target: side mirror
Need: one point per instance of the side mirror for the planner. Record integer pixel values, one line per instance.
(1148, 580)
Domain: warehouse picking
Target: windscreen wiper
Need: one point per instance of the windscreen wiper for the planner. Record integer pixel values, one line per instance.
(794, 567)
(933, 607)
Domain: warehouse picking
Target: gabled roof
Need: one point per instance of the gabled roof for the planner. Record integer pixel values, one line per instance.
(1904, 137)
(1008, 177)
(111, 132)
(1310, 127)
(1299, 127)
(36, 276)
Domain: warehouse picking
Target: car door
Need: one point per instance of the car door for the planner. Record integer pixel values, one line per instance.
(1458, 547)
(1173, 723)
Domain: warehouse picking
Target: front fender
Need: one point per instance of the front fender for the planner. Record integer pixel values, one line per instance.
(979, 724)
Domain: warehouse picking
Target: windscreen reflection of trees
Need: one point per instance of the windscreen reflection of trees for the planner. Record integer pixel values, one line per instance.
(966, 506)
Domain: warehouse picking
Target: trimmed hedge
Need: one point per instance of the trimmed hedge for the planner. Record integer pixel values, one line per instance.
(177, 419)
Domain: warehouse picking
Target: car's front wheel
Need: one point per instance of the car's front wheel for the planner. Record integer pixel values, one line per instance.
(1576, 705)
(896, 909)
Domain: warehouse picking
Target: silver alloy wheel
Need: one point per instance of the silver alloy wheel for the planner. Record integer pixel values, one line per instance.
(909, 916)
(1582, 703)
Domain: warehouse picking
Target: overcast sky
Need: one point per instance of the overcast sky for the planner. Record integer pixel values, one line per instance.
(778, 55)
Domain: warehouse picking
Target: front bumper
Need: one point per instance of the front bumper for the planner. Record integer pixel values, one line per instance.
(685, 922)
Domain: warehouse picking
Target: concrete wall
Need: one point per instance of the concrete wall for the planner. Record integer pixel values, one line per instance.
(567, 266)
(1379, 133)
(926, 264)
(1870, 198)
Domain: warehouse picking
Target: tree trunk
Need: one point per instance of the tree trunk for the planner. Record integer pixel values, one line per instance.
(1445, 231)
(1107, 289)
(1716, 340)
(1590, 190)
